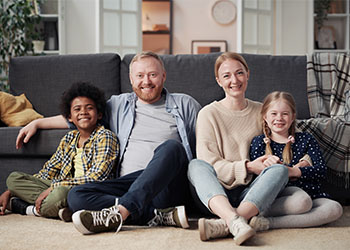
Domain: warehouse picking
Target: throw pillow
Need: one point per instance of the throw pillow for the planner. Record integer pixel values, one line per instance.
(16, 111)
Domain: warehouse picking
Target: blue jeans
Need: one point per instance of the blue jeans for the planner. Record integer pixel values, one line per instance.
(261, 192)
(162, 184)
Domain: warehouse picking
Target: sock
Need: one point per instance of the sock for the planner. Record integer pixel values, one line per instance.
(32, 211)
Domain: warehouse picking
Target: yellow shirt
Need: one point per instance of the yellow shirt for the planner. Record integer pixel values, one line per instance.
(78, 163)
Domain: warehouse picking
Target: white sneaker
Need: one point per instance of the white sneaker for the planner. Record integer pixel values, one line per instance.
(212, 229)
(173, 216)
(240, 230)
(259, 223)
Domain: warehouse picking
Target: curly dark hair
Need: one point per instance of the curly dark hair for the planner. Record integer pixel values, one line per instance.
(83, 89)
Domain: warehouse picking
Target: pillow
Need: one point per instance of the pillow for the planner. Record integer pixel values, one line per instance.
(16, 111)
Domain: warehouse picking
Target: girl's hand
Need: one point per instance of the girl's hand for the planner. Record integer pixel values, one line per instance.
(4, 200)
(294, 172)
(302, 164)
(40, 199)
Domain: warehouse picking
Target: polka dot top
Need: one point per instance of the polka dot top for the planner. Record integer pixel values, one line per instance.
(312, 176)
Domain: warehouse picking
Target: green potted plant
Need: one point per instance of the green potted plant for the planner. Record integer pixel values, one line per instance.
(17, 29)
(321, 9)
(38, 41)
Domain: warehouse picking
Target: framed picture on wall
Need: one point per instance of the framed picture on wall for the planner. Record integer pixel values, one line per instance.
(208, 46)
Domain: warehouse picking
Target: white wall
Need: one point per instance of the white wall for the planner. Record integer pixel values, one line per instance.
(192, 20)
(294, 27)
(80, 26)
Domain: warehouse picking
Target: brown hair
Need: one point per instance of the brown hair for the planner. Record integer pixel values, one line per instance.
(145, 55)
(287, 154)
(229, 55)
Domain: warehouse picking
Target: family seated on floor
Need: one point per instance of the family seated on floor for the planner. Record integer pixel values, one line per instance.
(251, 168)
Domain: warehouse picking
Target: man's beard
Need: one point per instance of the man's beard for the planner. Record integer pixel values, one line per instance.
(148, 97)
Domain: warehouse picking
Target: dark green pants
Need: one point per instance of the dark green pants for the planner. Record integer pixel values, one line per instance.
(28, 188)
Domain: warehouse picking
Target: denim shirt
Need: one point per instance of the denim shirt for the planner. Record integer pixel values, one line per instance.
(120, 117)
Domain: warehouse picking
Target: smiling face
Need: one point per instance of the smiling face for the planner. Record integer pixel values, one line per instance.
(279, 117)
(147, 79)
(84, 114)
(233, 78)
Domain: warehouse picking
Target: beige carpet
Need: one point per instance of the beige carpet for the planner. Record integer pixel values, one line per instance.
(26, 232)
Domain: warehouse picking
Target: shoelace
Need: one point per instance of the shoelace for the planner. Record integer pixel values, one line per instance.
(106, 215)
(218, 229)
(161, 219)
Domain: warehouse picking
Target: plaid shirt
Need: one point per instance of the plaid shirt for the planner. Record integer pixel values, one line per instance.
(98, 156)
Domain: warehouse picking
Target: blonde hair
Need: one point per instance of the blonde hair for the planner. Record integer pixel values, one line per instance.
(229, 55)
(287, 153)
(146, 54)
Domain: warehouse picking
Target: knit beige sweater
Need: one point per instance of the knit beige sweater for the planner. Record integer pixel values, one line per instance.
(223, 140)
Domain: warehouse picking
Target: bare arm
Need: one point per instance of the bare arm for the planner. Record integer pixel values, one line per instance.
(45, 123)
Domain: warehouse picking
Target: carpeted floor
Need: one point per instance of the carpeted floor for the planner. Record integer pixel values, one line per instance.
(27, 232)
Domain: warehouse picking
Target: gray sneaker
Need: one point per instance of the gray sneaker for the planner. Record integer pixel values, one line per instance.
(65, 214)
(240, 230)
(174, 216)
(212, 229)
(259, 223)
(88, 222)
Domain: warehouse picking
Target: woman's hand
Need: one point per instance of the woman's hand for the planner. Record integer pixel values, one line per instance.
(40, 199)
(260, 163)
(4, 200)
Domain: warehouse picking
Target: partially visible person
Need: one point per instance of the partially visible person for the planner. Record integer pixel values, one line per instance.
(86, 154)
(156, 130)
(222, 175)
(278, 116)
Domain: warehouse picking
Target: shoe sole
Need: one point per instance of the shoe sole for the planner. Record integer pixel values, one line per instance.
(201, 228)
(181, 212)
(244, 237)
(77, 223)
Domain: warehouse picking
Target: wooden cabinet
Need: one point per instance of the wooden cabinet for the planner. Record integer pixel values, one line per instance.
(157, 26)
(51, 26)
(333, 34)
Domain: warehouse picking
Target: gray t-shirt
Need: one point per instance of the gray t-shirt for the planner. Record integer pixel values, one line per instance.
(153, 125)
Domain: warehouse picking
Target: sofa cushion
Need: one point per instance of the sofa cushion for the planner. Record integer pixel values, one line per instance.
(16, 110)
(44, 78)
(42, 144)
(194, 75)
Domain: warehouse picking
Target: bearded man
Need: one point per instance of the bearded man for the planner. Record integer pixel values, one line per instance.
(156, 131)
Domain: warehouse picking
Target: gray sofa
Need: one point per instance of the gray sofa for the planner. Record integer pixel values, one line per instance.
(44, 78)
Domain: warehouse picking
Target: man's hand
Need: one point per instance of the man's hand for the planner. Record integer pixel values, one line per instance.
(40, 199)
(4, 200)
(26, 133)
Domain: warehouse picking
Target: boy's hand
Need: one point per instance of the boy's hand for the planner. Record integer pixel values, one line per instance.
(40, 199)
(4, 200)
(25, 134)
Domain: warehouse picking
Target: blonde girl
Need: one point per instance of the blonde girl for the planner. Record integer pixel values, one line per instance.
(279, 138)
